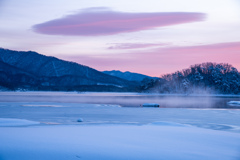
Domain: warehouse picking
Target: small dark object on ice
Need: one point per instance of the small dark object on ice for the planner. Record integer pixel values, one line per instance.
(80, 120)
(151, 105)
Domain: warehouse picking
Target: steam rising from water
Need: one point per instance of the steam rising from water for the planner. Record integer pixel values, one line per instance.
(123, 99)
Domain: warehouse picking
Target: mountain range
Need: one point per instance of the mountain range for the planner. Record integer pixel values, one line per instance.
(33, 71)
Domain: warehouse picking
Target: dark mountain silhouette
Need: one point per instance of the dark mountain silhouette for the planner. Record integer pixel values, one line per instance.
(30, 70)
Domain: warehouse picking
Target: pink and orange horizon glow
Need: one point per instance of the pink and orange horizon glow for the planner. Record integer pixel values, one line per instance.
(176, 58)
(151, 37)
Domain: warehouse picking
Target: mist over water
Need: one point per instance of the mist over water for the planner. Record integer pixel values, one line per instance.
(122, 99)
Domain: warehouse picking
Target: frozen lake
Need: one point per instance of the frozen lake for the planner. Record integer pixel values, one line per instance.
(89, 126)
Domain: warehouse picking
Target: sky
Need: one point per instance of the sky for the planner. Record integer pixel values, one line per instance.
(152, 37)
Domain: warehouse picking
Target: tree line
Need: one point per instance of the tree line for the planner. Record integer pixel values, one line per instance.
(207, 77)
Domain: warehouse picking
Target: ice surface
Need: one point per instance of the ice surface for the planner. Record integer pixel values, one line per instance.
(169, 124)
(33, 105)
(29, 130)
(69, 113)
(118, 142)
(6, 122)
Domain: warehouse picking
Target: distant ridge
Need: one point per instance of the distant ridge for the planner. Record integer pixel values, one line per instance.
(130, 76)
(32, 70)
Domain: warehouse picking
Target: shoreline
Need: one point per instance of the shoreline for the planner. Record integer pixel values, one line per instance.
(120, 93)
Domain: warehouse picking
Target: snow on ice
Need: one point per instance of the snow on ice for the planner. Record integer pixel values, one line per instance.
(234, 103)
(16, 122)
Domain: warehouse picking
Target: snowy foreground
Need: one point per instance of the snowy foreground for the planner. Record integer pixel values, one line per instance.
(161, 141)
(45, 130)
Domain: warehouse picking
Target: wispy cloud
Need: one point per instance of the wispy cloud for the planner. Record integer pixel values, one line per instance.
(163, 60)
(135, 45)
(103, 21)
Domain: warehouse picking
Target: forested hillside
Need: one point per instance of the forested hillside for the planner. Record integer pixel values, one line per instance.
(200, 78)
(21, 70)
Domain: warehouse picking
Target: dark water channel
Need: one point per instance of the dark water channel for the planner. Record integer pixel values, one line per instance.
(125, 99)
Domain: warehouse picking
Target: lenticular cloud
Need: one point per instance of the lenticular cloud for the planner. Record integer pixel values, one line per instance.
(102, 21)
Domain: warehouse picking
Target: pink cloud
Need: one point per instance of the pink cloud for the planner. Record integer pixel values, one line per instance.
(135, 45)
(160, 61)
(102, 21)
